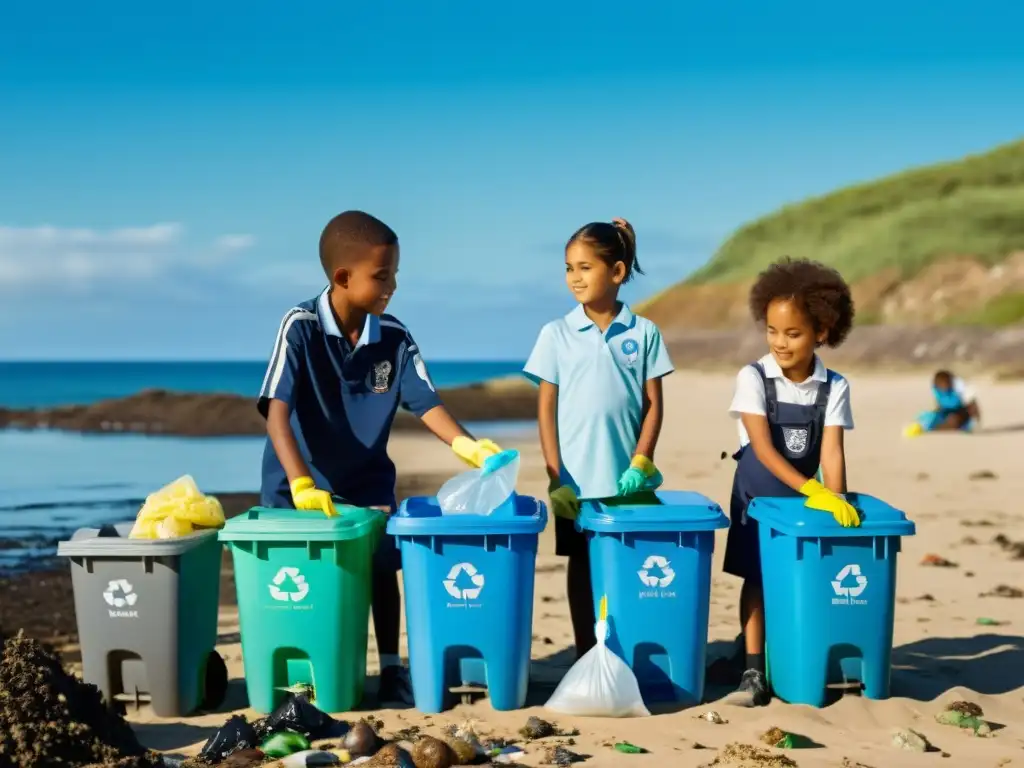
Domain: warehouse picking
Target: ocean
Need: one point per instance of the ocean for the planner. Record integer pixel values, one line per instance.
(52, 482)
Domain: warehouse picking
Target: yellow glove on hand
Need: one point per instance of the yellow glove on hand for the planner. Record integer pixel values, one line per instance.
(474, 452)
(564, 502)
(305, 495)
(822, 499)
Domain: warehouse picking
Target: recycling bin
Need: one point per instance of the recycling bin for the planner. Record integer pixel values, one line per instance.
(469, 599)
(304, 583)
(651, 557)
(147, 617)
(830, 598)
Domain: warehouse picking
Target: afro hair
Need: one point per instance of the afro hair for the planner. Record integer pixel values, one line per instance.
(818, 289)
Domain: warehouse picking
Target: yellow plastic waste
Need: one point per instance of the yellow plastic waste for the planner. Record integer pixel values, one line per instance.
(176, 510)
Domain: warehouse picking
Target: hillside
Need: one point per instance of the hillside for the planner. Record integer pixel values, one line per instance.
(938, 244)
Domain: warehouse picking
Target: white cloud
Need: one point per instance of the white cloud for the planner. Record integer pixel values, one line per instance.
(79, 257)
(233, 243)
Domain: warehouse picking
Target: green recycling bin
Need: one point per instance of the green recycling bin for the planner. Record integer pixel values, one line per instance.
(304, 586)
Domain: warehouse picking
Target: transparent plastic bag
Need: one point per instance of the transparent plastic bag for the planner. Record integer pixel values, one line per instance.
(600, 684)
(481, 491)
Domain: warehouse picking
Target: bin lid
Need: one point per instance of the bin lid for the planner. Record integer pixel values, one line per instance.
(113, 541)
(266, 524)
(790, 516)
(421, 516)
(663, 511)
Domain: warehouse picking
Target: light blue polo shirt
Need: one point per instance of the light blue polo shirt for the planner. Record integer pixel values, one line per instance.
(600, 379)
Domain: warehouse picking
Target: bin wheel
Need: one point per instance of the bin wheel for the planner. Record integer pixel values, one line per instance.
(215, 681)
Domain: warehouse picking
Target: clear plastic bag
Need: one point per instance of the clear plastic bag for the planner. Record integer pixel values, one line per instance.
(481, 491)
(600, 684)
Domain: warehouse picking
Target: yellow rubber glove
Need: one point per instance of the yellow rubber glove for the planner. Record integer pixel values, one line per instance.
(822, 499)
(474, 452)
(305, 495)
(564, 502)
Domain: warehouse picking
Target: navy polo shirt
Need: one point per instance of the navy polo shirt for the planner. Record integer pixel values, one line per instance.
(343, 400)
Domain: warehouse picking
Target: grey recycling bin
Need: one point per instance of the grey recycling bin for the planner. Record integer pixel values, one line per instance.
(147, 617)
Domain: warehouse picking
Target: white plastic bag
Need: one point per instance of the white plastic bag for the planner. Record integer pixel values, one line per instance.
(600, 684)
(481, 491)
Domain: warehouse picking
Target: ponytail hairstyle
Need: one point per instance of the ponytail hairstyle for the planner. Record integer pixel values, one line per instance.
(611, 242)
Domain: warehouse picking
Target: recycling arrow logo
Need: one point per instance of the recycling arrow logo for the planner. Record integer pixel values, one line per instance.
(464, 582)
(657, 572)
(848, 571)
(120, 593)
(289, 584)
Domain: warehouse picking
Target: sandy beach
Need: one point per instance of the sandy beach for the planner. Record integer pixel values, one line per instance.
(960, 490)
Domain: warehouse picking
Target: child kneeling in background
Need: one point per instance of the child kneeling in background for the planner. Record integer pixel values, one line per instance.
(792, 413)
(956, 407)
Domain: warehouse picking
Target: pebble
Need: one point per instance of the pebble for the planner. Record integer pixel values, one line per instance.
(712, 717)
(910, 740)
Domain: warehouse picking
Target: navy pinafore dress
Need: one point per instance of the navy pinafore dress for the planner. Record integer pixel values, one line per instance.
(796, 432)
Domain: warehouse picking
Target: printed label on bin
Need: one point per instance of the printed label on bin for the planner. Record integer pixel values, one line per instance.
(656, 575)
(289, 586)
(119, 595)
(464, 583)
(849, 585)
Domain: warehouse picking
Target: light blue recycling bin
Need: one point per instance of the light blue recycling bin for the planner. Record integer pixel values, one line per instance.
(653, 562)
(829, 596)
(469, 598)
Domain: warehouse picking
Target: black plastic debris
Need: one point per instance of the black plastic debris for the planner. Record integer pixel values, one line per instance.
(237, 733)
(297, 713)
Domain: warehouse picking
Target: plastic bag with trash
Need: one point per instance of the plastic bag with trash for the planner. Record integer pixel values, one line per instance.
(600, 684)
(177, 509)
(481, 491)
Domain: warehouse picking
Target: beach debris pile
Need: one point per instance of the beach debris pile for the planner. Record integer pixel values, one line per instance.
(1014, 548)
(299, 735)
(177, 509)
(736, 755)
(780, 739)
(938, 561)
(1004, 591)
(965, 715)
(50, 717)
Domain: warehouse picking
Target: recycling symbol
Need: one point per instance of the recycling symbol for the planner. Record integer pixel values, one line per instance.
(843, 575)
(289, 584)
(657, 572)
(120, 593)
(463, 582)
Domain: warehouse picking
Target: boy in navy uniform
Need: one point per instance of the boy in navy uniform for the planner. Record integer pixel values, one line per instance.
(338, 373)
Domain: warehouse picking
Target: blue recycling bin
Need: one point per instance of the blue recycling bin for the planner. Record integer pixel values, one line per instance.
(830, 595)
(651, 557)
(469, 598)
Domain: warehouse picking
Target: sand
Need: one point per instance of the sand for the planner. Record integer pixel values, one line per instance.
(940, 654)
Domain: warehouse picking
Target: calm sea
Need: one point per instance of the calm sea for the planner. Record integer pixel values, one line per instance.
(52, 483)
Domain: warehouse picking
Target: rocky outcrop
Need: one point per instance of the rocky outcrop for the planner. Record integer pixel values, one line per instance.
(156, 411)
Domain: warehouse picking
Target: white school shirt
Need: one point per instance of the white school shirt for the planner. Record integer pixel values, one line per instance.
(750, 397)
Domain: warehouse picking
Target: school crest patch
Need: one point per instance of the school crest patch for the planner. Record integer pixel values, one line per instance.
(381, 374)
(631, 350)
(796, 440)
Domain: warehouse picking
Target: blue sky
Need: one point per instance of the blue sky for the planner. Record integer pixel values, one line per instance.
(166, 168)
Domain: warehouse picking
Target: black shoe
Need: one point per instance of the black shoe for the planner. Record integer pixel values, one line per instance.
(395, 688)
(752, 691)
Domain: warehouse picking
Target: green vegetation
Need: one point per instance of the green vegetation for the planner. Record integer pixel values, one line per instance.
(1002, 310)
(971, 207)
